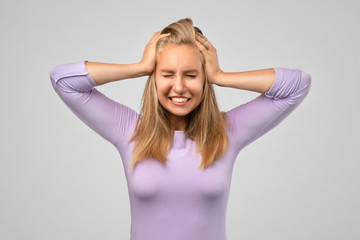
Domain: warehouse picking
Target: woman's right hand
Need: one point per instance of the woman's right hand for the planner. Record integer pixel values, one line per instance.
(147, 62)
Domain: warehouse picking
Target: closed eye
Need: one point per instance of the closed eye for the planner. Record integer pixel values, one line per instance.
(167, 76)
(191, 76)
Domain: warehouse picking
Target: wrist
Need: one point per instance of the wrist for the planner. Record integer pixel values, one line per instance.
(217, 77)
(144, 69)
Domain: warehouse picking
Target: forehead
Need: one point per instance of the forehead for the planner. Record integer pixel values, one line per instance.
(179, 57)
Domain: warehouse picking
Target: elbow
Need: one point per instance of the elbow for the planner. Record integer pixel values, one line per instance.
(54, 78)
(71, 78)
(305, 80)
(74, 69)
(306, 77)
(54, 72)
(55, 75)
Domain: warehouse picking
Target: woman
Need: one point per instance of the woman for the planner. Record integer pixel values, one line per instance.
(179, 151)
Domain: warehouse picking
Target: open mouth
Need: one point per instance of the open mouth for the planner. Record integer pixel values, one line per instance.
(179, 100)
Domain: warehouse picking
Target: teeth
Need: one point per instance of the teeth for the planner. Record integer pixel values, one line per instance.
(179, 100)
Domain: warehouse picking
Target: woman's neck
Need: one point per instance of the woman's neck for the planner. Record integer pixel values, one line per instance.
(177, 123)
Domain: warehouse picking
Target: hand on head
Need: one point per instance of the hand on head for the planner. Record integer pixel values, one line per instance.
(148, 59)
(212, 67)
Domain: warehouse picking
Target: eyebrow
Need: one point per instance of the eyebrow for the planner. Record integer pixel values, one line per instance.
(186, 72)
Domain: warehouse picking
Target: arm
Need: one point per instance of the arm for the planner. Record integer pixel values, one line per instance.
(75, 86)
(282, 91)
(75, 82)
(255, 118)
(257, 80)
(103, 73)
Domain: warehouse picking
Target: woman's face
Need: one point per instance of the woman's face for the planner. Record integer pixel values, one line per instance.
(179, 80)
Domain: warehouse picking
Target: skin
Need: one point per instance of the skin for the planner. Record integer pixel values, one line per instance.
(255, 80)
(179, 73)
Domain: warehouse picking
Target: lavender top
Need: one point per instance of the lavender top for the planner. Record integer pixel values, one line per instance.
(178, 201)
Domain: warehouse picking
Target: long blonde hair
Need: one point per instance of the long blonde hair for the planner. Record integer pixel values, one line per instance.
(206, 125)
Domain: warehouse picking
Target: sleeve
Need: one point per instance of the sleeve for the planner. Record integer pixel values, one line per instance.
(253, 119)
(75, 87)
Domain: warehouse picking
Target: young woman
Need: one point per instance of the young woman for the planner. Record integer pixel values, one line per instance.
(178, 152)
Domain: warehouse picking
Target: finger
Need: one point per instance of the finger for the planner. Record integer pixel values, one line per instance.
(202, 39)
(201, 47)
(204, 42)
(204, 45)
(158, 35)
(155, 34)
(153, 37)
(163, 35)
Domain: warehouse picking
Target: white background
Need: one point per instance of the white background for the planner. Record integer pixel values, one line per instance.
(60, 180)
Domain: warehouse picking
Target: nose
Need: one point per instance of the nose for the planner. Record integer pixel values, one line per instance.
(179, 85)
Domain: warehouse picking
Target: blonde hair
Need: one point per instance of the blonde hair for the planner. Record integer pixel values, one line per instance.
(206, 125)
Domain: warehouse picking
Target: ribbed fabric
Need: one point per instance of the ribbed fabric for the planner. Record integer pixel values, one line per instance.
(178, 201)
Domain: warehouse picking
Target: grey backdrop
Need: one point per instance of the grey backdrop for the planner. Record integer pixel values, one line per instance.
(60, 180)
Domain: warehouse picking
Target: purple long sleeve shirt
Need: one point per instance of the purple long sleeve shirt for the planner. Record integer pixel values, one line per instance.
(178, 201)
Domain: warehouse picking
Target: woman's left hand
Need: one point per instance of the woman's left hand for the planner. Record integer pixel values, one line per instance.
(212, 67)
